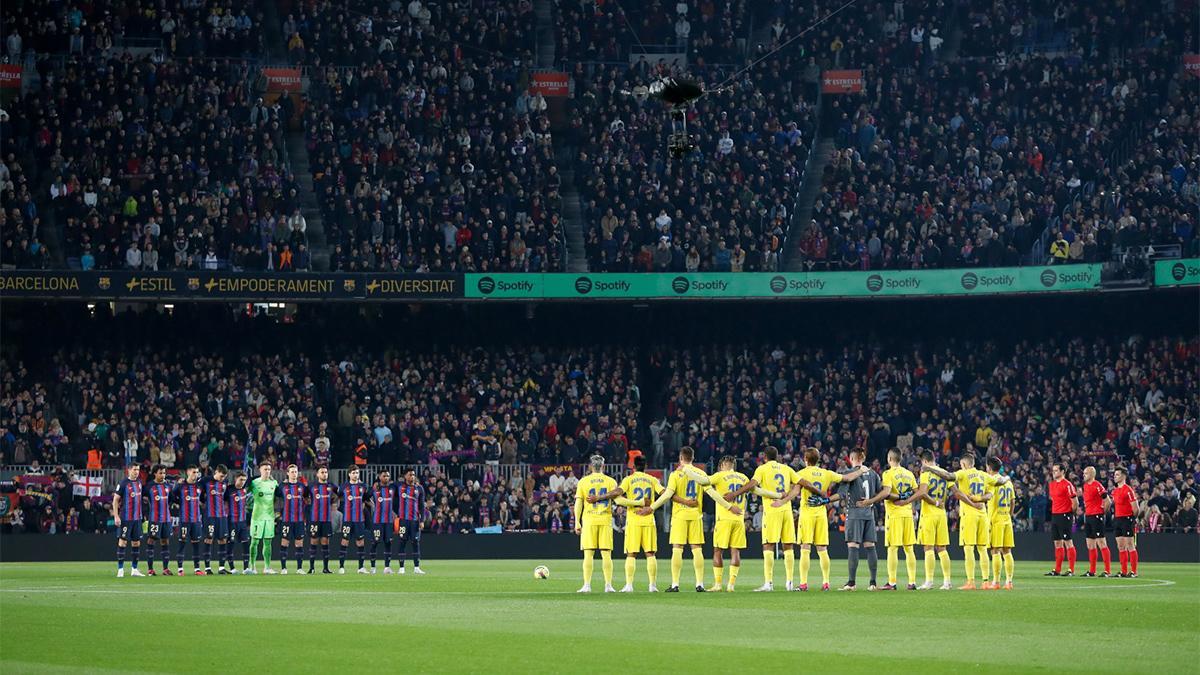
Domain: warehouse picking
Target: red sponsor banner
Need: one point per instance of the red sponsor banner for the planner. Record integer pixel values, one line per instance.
(842, 82)
(10, 76)
(282, 79)
(1191, 64)
(550, 84)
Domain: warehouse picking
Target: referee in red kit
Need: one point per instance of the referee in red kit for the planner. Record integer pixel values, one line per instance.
(1062, 518)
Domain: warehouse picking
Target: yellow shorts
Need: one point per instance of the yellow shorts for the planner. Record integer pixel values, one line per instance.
(899, 531)
(1002, 533)
(813, 528)
(594, 536)
(778, 527)
(685, 532)
(972, 529)
(934, 529)
(641, 539)
(729, 534)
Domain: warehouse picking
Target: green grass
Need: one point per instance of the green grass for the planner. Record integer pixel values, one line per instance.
(489, 616)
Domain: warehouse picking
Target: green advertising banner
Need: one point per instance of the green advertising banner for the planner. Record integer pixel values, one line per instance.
(889, 283)
(1183, 272)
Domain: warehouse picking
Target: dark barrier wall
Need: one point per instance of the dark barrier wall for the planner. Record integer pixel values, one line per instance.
(1029, 546)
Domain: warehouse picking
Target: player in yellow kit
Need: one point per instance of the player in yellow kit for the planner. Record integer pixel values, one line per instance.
(971, 486)
(934, 532)
(1000, 514)
(729, 534)
(593, 522)
(812, 484)
(771, 481)
(899, 531)
(641, 532)
(685, 491)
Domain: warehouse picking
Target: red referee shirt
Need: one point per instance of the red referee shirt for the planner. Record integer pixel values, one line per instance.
(1062, 497)
(1123, 498)
(1093, 498)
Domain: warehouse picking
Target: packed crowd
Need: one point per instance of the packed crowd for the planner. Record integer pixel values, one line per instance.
(464, 414)
(180, 28)
(1099, 402)
(985, 162)
(432, 156)
(149, 164)
(707, 31)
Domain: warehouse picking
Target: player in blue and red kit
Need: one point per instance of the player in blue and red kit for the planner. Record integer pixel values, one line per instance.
(127, 515)
(292, 492)
(383, 501)
(158, 510)
(216, 518)
(189, 495)
(354, 496)
(239, 521)
(410, 505)
(320, 519)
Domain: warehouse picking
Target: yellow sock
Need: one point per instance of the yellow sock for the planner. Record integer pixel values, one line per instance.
(733, 572)
(630, 569)
(769, 566)
(698, 566)
(805, 563)
(718, 574)
(789, 564)
(823, 556)
(984, 562)
(893, 563)
(588, 566)
(910, 563)
(607, 567)
(997, 564)
(969, 563)
(652, 569)
(676, 565)
(1010, 566)
(944, 556)
(929, 566)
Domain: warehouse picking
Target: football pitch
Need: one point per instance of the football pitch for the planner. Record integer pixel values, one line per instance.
(492, 616)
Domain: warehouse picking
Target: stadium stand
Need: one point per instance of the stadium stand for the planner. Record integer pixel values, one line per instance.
(469, 417)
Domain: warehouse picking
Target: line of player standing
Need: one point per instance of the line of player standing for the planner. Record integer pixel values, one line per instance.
(221, 514)
(986, 499)
(1096, 502)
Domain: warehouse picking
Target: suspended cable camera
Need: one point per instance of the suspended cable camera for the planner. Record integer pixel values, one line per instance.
(678, 94)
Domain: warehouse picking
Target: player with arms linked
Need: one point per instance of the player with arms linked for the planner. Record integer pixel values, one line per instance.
(971, 487)
(772, 479)
(812, 483)
(638, 490)
(729, 533)
(127, 516)
(593, 522)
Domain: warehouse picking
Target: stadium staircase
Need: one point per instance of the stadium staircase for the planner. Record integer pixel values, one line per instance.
(318, 247)
(814, 172)
(571, 218)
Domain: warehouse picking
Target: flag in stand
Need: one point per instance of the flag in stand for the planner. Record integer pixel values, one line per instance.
(87, 486)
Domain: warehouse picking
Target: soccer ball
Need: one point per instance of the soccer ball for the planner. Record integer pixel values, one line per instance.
(541, 572)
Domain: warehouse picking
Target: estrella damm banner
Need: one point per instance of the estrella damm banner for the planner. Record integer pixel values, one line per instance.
(209, 285)
(988, 281)
(1181, 272)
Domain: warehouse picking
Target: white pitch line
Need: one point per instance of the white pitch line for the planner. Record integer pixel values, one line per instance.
(1156, 583)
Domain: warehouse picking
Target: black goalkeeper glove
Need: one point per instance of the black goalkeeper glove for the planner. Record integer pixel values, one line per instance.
(818, 501)
(906, 494)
